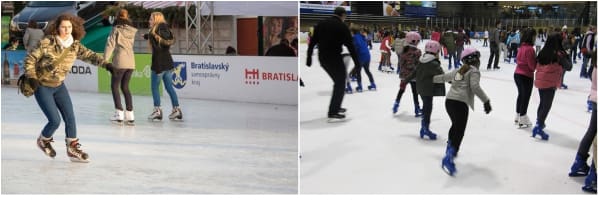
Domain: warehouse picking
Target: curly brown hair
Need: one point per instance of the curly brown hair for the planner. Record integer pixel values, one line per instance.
(77, 22)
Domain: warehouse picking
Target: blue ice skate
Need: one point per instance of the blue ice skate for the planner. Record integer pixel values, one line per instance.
(372, 86)
(539, 130)
(426, 132)
(591, 182)
(418, 111)
(395, 108)
(359, 88)
(590, 106)
(448, 161)
(348, 88)
(579, 167)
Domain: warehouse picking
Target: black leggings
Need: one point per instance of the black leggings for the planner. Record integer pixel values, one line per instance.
(590, 134)
(121, 77)
(546, 99)
(427, 108)
(524, 87)
(413, 88)
(459, 114)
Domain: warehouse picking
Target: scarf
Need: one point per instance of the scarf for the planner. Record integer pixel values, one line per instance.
(65, 43)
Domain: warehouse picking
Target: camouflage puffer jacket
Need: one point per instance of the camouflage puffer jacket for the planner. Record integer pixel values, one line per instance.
(39, 62)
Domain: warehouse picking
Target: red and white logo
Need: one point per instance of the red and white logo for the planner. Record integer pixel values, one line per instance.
(252, 76)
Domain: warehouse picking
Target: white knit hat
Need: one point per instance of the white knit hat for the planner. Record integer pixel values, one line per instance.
(564, 27)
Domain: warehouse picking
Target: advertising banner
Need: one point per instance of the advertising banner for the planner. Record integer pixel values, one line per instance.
(277, 28)
(140, 79)
(83, 77)
(323, 7)
(12, 64)
(237, 78)
(410, 8)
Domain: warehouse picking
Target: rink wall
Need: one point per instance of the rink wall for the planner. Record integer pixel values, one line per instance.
(255, 79)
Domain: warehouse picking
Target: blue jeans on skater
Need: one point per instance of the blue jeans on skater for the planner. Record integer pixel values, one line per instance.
(167, 78)
(56, 102)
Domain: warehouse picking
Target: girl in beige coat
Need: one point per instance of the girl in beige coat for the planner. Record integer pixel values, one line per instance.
(120, 46)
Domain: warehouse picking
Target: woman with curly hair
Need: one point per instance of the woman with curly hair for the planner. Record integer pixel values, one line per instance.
(49, 65)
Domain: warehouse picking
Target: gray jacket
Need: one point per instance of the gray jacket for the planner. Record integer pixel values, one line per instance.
(32, 38)
(120, 42)
(464, 87)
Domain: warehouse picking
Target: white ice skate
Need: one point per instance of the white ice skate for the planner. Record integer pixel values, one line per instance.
(129, 118)
(176, 114)
(117, 117)
(524, 122)
(387, 69)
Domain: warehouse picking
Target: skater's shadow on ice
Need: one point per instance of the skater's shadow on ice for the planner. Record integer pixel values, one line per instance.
(406, 117)
(556, 138)
(321, 123)
(473, 176)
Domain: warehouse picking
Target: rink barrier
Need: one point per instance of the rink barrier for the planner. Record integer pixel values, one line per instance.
(255, 79)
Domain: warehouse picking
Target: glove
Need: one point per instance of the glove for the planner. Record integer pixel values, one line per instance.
(393, 49)
(487, 107)
(308, 61)
(109, 67)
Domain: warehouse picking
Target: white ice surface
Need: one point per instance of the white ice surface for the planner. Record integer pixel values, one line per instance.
(220, 147)
(375, 152)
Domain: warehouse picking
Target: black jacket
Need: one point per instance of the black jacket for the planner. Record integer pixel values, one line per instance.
(330, 34)
(161, 56)
(280, 50)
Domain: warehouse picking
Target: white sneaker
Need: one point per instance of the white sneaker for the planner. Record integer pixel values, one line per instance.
(129, 117)
(118, 116)
(156, 114)
(524, 121)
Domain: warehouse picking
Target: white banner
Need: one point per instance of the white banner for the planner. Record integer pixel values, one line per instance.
(237, 78)
(83, 77)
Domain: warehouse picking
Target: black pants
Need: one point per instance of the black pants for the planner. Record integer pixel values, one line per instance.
(364, 65)
(121, 77)
(513, 50)
(590, 134)
(494, 54)
(335, 68)
(413, 88)
(427, 108)
(524, 87)
(459, 114)
(546, 98)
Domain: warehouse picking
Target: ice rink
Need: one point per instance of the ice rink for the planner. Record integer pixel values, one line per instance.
(376, 152)
(220, 147)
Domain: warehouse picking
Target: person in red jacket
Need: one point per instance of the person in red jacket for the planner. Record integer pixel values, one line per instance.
(547, 78)
(526, 63)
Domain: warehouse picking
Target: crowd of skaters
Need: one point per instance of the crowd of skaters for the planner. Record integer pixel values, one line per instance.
(555, 52)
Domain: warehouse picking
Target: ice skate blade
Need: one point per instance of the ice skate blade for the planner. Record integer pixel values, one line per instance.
(451, 174)
(130, 123)
(75, 160)
(117, 122)
(335, 120)
(521, 126)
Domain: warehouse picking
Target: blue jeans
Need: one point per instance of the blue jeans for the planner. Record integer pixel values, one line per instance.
(168, 82)
(52, 101)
